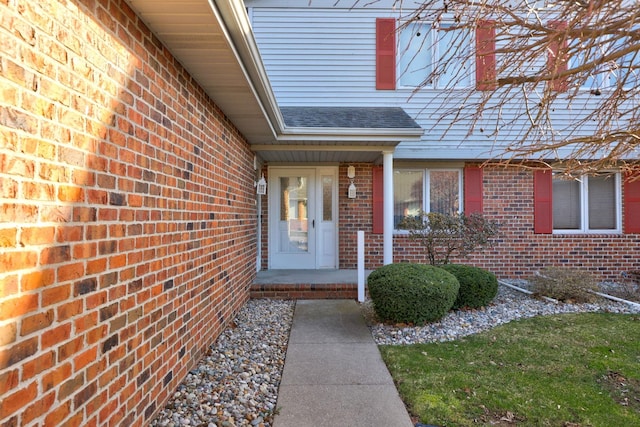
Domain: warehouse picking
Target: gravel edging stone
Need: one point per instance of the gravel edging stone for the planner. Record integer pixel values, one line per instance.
(236, 383)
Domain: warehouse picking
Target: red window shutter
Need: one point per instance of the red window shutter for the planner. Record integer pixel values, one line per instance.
(543, 201)
(632, 203)
(486, 55)
(472, 190)
(557, 62)
(378, 200)
(385, 53)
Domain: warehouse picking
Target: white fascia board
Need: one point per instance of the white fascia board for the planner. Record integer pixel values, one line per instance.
(337, 147)
(240, 37)
(328, 4)
(350, 134)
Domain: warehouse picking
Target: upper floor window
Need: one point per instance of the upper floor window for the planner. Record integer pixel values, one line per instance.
(620, 69)
(430, 190)
(433, 56)
(591, 204)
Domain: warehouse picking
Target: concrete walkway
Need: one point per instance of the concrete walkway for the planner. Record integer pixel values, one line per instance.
(333, 374)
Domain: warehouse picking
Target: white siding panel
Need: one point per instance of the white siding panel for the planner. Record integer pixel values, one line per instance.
(326, 57)
(318, 56)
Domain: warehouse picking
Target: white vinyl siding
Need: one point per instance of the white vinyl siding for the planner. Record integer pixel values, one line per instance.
(311, 55)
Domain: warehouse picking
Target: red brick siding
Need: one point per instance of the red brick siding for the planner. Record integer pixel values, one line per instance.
(305, 291)
(520, 252)
(127, 222)
(357, 214)
(508, 199)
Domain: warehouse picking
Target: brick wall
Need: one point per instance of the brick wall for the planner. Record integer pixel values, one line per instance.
(518, 252)
(127, 219)
(357, 214)
(508, 198)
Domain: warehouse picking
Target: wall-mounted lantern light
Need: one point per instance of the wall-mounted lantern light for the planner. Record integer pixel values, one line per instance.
(261, 186)
(351, 174)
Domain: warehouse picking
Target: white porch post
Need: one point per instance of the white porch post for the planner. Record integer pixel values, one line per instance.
(387, 164)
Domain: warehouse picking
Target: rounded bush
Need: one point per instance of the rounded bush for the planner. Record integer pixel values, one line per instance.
(478, 287)
(565, 284)
(412, 293)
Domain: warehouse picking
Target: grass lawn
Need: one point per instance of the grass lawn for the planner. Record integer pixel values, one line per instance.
(566, 370)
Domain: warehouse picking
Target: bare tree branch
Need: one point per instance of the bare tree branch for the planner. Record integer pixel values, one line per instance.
(567, 79)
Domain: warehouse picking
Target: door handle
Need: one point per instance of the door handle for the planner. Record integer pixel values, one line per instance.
(313, 223)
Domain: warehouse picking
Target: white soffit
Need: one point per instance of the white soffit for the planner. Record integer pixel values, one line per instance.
(194, 32)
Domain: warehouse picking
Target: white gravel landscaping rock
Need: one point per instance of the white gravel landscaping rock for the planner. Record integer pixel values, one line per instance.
(236, 384)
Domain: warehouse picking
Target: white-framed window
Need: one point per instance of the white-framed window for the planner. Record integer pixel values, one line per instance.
(608, 74)
(430, 190)
(434, 56)
(589, 205)
(629, 65)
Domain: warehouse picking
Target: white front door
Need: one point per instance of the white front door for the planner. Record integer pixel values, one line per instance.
(302, 218)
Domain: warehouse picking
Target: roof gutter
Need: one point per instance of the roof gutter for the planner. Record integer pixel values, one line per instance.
(350, 134)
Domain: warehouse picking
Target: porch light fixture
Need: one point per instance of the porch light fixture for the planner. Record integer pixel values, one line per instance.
(351, 174)
(261, 186)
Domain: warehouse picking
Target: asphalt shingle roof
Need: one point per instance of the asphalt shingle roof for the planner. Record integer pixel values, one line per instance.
(348, 117)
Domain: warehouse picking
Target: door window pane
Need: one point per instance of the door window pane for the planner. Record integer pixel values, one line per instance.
(293, 211)
(327, 198)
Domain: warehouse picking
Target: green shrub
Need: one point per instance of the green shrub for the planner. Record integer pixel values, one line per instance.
(412, 293)
(478, 287)
(565, 284)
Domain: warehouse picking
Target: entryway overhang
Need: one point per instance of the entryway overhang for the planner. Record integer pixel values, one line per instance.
(339, 134)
